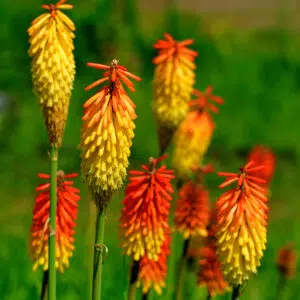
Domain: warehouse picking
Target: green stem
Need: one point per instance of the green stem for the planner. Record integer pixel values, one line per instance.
(45, 286)
(98, 254)
(236, 292)
(133, 279)
(208, 297)
(52, 225)
(145, 296)
(280, 287)
(181, 270)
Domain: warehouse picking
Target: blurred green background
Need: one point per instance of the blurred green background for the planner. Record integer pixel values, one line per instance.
(248, 51)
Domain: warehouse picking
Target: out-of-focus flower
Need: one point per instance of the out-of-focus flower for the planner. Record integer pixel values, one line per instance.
(287, 261)
(210, 273)
(192, 210)
(53, 66)
(107, 131)
(194, 134)
(242, 223)
(264, 156)
(153, 273)
(173, 85)
(67, 198)
(146, 209)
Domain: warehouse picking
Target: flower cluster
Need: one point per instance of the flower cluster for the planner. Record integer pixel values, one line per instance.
(153, 273)
(264, 156)
(173, 84)
(210, 273)
(194, 134)
(192, 210)
(53, 66)
(242, 221)
(107, 130)
(67, 198)
(287, 261)
(146, 209)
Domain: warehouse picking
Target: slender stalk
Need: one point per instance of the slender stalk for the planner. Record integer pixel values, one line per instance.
(280, 287)
(52, 224)
(236, 292)
(133, 279)
(208, 297)
(45, 286)
(145, 296)
(181, 270)
(98, 253)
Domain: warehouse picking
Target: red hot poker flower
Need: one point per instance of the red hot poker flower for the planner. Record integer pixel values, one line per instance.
(287, 261)
(153, 273)
(262, 155)
(241, 223)
(146, 209)
(67, 198)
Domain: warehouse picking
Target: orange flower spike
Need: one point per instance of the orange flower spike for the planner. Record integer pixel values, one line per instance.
(67, 208)
(194, 134)
(210, 273)
(174, 78)
(53, 66)
(146, 208)
(192, 208)
(241, 223)
(153, 273)
(263, 156)
(287, 261)
(107, 131)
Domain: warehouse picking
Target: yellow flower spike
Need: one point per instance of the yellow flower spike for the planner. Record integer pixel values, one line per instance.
(194, 134)
(53, 66)
(241, 223)
(173, 85)
(107, 131)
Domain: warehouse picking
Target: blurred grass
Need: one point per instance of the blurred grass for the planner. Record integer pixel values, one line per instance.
(257, 73)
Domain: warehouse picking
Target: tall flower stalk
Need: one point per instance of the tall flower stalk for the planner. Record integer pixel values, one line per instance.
(107, 133)
(53, 71)
(173, 85)
(144, 219)
(242, 224)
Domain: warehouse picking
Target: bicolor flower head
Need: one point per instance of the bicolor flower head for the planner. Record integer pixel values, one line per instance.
(67, 198)
(146, 208)
(53, 66)
(262, 155)
(242, 223)
(152, 274)
(194, 134)
(173, 85)
(287, 261)
(107, 131)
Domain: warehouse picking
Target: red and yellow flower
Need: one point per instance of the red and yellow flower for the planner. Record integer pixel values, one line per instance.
(242, 223)
(144, 219)
(153, 273)
(108, 130)
(53, 66)
(173, 84)
(194, 134)
(67, 198)
(287, 261)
